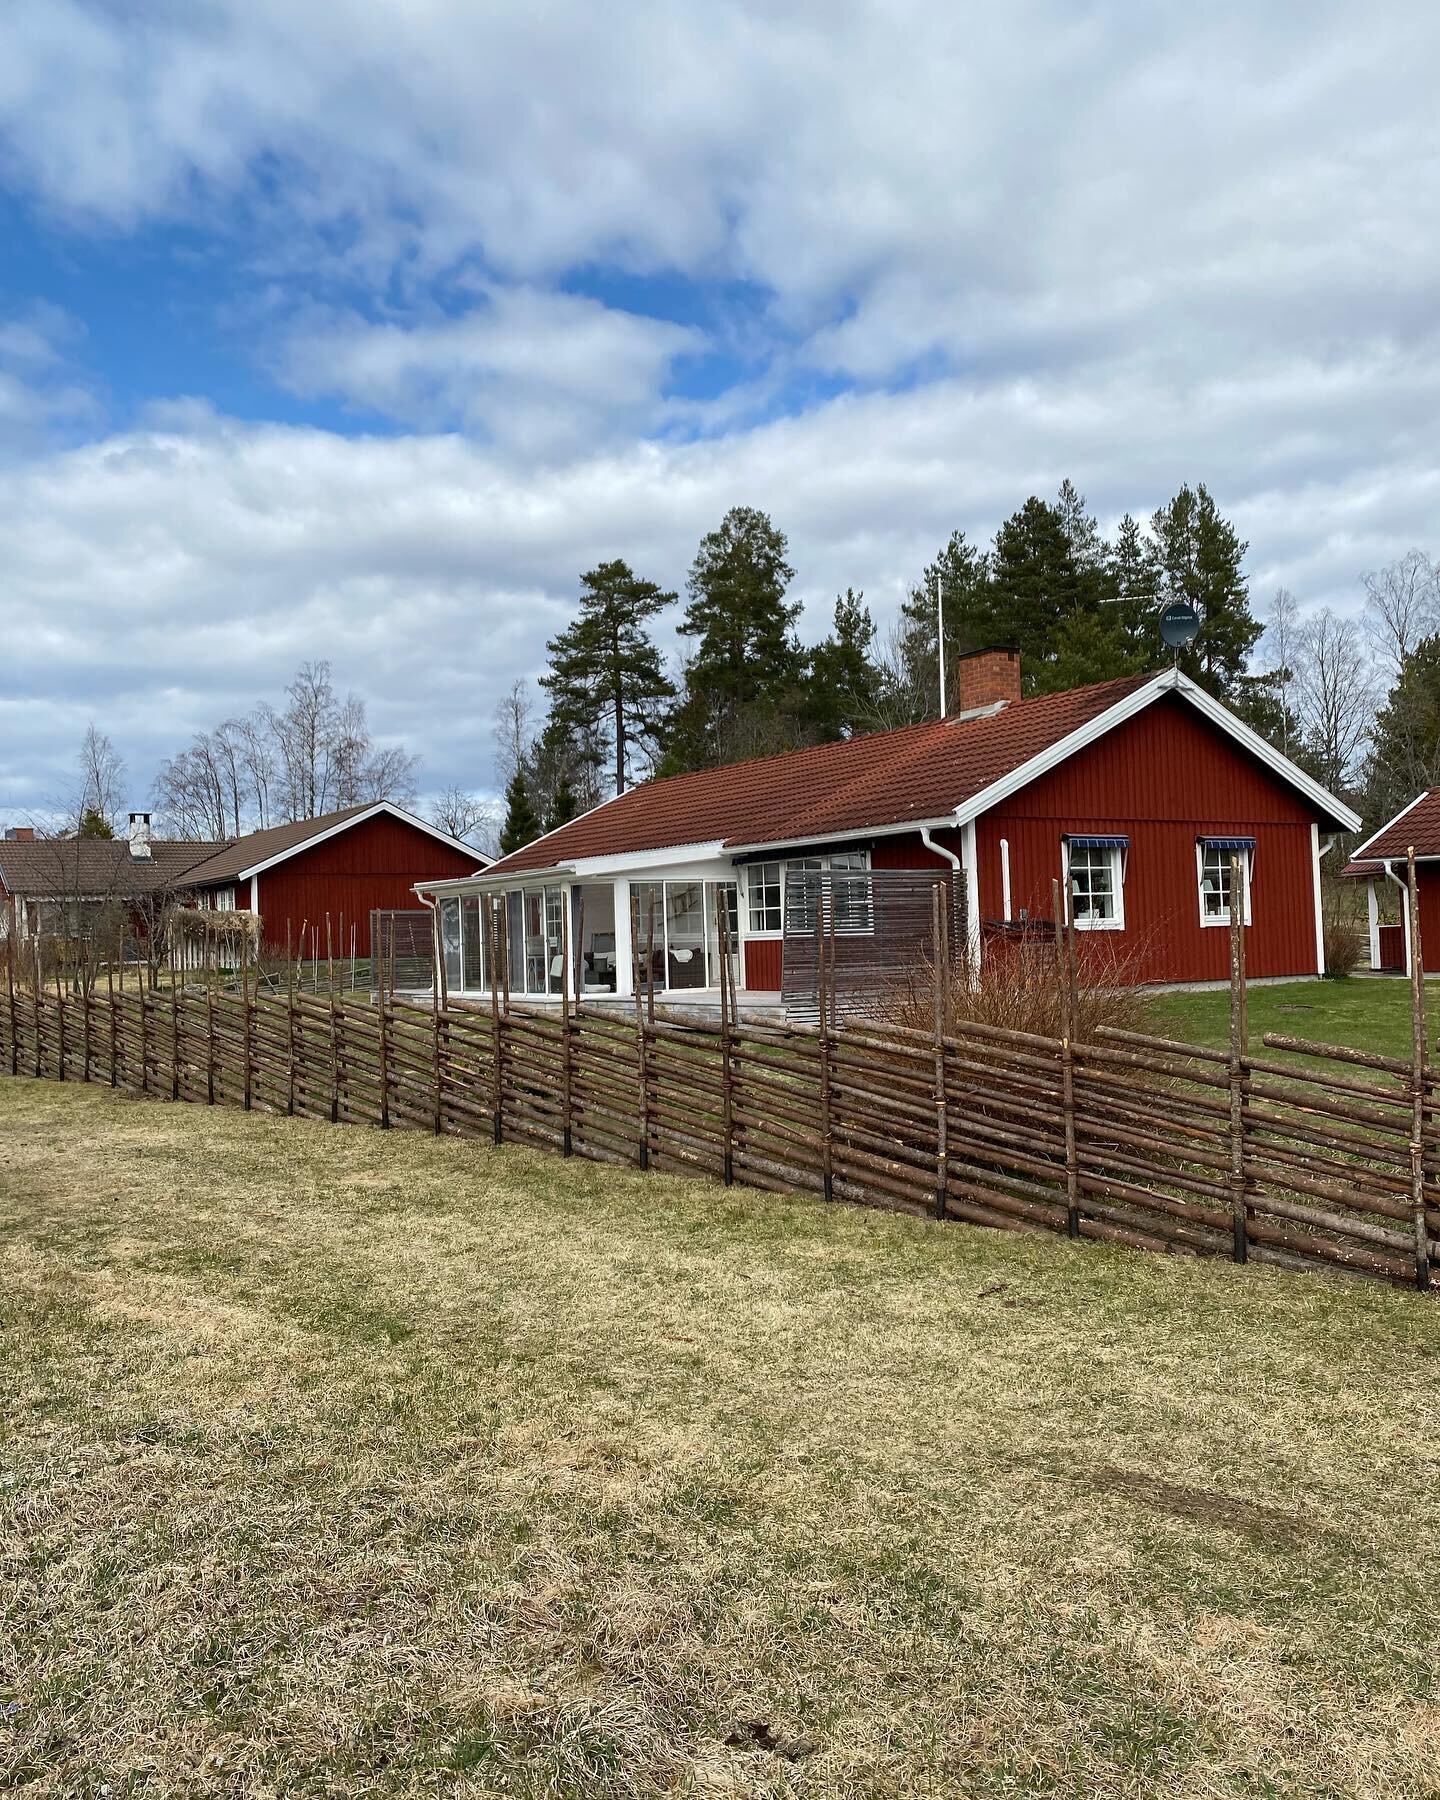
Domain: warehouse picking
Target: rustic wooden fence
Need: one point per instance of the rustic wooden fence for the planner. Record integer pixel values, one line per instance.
(1131, 1139)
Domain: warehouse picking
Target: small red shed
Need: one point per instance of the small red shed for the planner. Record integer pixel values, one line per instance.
(341, 866)
(1384, 859)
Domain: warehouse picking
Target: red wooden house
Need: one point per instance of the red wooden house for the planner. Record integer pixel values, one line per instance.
(1139, 792)
(341, 866)
(1383, 860)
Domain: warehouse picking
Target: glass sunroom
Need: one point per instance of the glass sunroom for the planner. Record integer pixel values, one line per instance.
(662, 926)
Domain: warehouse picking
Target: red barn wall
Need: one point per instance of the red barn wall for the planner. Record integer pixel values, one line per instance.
(374, 864)
(1165, 778)
(1427, 878)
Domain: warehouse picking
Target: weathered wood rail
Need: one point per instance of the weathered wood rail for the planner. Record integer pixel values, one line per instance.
(1132, 1139)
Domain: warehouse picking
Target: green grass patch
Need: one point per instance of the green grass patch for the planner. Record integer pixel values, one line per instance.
(348, 1463)
(1363, 1014)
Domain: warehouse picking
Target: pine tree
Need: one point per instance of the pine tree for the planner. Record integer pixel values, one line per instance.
(1036, 586)
(605, 670)
(1196, 556)
(745, 653)
(521, 825)
(94, 824)
(843, 682)
(1404, 755)
(963, 573)
(1135, 596)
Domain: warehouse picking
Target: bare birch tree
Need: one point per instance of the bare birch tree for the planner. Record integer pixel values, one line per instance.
(1402, 607)
(1335, 694)
(102, 778)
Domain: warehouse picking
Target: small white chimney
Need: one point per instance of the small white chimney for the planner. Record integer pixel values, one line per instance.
(140, 836)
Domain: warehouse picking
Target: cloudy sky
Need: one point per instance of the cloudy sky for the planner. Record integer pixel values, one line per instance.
(350, 329)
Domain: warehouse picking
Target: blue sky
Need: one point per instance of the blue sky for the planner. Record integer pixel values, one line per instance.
(358, 332)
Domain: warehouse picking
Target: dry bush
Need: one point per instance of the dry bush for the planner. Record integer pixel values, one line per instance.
(1023, 990)
(1342, 949)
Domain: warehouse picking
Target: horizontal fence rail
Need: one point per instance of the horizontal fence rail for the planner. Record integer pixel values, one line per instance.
(1131, 1139)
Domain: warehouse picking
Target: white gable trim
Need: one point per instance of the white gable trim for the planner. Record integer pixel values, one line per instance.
(1359, 854)
(371, 812)
(1169, 681)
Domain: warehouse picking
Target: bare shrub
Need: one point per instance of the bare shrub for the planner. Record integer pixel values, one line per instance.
(1023, 989)
(1342, 949)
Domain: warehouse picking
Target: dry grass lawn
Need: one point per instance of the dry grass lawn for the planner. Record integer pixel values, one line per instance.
(341, 1463)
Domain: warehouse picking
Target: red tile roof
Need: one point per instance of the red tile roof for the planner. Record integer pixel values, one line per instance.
(917, 774)
(1417, 826)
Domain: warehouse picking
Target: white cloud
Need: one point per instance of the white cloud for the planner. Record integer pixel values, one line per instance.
(535, 371)
(1132, 245)
(160, 579)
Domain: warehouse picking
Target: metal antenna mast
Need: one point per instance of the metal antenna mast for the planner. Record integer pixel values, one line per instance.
(940, 633)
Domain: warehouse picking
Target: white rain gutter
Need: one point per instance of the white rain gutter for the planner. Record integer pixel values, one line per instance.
(1388, 864)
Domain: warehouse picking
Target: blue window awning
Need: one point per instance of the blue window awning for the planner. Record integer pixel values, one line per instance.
(1113, 842)
(1228, 843)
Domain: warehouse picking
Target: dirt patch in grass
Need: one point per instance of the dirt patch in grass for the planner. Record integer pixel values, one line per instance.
(1202, 1506)
(341, 1463)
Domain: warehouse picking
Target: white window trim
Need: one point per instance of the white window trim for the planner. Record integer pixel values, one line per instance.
(1222, 921)
(751, 930)
(1118, 860)
(825, 868)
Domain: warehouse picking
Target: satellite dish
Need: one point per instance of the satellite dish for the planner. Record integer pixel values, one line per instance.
(1179, 623)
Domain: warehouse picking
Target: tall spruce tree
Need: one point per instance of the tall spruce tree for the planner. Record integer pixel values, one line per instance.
(522, 825)
(1404, 757)
(1036, 586)
(1196, 556)
(843, 683)
(746, 660)
(962, 573)
(606, 676)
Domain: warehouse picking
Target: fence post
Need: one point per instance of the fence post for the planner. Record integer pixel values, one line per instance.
(377, 954)
(940, 959)
(144, 1031)
(565, 1043)
(1239, 1045)
(334, 1026)
(439, 955)
(210, 1026)
(499, 956)
(727, 1008)
(247, 1071)
(174, 1026)
(1417, 1076)
(642, 1061)
(60, 1005)
(86, 1019)
(1060, 906)
(10, 942)
(110, 994)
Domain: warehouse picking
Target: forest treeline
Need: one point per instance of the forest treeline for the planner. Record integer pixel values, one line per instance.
(1355, 699)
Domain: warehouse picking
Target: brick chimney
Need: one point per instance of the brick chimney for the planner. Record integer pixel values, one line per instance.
(21, 834)
(986, 676)
(140, 836)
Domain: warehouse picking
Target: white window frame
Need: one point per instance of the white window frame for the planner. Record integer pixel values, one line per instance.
(1221, 920)
(1117, 854)
(764, 931)
(822, 865)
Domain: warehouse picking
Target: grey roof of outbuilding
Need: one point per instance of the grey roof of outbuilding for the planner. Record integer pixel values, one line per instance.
(96, 867)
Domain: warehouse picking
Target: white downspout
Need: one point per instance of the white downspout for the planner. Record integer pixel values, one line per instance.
(1389, 868)
(1005, 879)
(972, 897)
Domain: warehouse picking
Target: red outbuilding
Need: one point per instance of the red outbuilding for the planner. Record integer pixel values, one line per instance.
(339, 867)
(1383, 861)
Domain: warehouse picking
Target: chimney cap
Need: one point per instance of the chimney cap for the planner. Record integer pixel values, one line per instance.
(989, 650)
